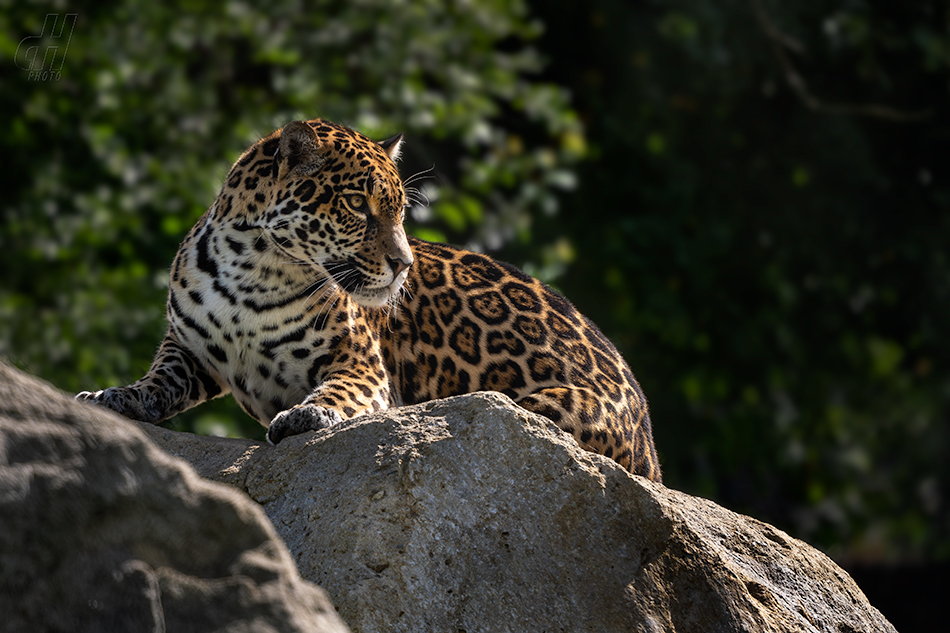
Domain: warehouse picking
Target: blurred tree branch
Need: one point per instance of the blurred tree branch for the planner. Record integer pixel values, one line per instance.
(781, 42)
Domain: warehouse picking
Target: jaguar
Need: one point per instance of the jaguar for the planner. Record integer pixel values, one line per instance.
(300, 293)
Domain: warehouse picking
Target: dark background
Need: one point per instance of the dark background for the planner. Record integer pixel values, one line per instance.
(749, 197)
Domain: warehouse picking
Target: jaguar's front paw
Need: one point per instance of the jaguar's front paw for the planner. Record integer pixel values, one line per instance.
(125, 401)
(300, 419)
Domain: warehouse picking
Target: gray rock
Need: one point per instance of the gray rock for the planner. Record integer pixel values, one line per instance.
(471, 514)
(100, 531)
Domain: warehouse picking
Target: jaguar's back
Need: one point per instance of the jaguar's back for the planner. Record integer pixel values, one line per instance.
(470, 323)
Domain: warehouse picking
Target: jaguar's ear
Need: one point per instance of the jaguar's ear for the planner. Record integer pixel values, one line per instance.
(300, 151)
(393, 146)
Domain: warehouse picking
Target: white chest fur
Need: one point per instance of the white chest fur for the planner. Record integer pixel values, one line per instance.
(256, 321)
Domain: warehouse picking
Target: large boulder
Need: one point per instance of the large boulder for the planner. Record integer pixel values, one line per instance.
(471, 514)
(100, 531)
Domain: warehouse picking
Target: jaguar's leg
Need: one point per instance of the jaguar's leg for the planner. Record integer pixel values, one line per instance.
(620, 431)
(175, 382)
(344, 393)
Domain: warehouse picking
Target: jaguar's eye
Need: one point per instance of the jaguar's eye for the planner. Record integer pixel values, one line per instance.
(356, 201)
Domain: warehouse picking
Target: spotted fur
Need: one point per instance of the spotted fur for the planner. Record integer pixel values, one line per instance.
(299, 293)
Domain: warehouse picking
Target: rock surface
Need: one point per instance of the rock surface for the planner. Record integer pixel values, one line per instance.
(100, 531)
(470, 514)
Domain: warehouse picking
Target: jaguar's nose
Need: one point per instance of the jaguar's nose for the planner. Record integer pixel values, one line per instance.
(398, 264)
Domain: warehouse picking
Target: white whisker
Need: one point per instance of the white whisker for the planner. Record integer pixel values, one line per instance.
(417, 197)
(420, 175)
